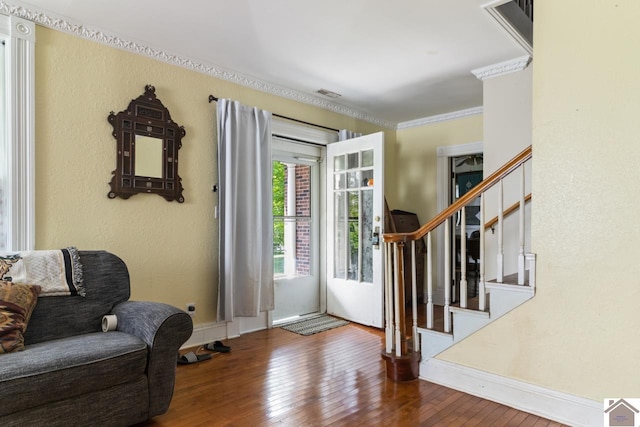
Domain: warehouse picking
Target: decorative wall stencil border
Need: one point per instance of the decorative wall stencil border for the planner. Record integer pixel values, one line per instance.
(61, 24)
(506, 67)
(441, 118)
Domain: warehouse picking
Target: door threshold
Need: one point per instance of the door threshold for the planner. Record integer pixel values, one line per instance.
(293, 319)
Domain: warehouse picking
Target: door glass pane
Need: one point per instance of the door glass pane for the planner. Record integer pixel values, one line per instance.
(292, 219)
(338, 163)
(367, 178)
(367, 158)
(352, 160)
(340, 237)
(353, 231)
(367, 234)
(303, 248)
(353, 180)
(278, 185)
(354, 235)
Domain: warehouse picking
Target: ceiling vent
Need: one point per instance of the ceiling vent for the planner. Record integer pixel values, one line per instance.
(515, 16)
(328, 93)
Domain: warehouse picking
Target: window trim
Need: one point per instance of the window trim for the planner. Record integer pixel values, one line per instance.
(19, 138)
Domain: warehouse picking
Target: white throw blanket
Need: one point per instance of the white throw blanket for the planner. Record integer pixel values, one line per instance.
(57, 272)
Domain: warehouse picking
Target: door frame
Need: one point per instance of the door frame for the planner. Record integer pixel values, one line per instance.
(296, 132)
(443, 185)
(295, 153)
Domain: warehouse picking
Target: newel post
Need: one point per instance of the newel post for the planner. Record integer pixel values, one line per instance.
(402, 363)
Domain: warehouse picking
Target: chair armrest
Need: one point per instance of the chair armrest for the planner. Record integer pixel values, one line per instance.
(164, 328)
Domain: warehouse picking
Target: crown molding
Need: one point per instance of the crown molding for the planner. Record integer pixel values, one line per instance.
(62, 24)
(441, 118)
(501, 68)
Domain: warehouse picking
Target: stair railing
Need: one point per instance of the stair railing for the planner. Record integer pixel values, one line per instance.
(396, 341)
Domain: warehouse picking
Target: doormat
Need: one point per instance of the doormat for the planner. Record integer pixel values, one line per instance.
(314, 325)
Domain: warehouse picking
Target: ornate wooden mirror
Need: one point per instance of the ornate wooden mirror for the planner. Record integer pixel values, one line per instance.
(147, 143)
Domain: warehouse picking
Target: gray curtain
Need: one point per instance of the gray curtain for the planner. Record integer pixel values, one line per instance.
(246, 218)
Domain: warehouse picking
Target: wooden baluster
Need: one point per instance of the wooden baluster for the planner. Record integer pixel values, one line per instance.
(399, 301)
(532, 270)
(521, 230)
(396, 324)
(388, 289)
(414, 298)
(429, 283)
(463, 257)
(500, 255)
(447, 274)
(482, 301)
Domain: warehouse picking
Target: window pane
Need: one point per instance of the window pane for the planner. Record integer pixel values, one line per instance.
(352, 161)
(367, 234)
(278, 246)
(303, 190)
(354, 235)
(338, 163)
(340, 238)
(367, 158)
(353, 180)
(367, 178)
(303, 248)
(279, 174)
(292, 222)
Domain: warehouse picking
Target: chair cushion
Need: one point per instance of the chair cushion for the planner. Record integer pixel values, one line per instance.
(17, 302)
(60, 369)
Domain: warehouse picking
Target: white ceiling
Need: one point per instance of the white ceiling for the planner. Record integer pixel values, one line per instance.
(393, 61)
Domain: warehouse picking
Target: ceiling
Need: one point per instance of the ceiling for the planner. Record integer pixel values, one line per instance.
(392, 62)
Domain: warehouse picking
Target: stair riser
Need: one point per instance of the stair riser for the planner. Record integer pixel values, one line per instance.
(466, 322)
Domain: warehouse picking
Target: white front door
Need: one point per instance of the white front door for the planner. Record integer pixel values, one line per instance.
(355, 217)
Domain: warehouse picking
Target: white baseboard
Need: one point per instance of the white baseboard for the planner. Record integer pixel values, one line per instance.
(551, 404)
(205, 333)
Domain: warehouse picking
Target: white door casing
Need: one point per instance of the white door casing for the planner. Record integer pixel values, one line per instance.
(297, 288)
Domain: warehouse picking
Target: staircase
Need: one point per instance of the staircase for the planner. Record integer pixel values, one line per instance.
(408, 347)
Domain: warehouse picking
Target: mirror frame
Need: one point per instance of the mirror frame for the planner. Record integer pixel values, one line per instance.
(146, 116)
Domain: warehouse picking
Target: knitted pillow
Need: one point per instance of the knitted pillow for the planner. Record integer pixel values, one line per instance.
(17, 302)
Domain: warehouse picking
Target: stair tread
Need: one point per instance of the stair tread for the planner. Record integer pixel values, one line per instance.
(438, 314)
(511, 279)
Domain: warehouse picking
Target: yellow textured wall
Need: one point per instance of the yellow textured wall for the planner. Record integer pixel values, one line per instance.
(170, 248)
(579, 333)
(416, 157)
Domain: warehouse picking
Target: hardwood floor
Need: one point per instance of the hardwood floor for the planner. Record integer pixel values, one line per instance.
(334, 378)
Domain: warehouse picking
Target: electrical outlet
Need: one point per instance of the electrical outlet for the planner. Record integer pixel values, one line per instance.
(191, 308)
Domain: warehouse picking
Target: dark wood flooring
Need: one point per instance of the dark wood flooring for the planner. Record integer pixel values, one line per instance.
(334, 378)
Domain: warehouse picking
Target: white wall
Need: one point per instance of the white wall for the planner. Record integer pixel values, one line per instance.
(507, 131)
(579, 334)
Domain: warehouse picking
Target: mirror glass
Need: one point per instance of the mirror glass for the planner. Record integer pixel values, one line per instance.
(148, 156)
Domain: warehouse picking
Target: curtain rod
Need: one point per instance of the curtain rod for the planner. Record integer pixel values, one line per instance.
(213, 98)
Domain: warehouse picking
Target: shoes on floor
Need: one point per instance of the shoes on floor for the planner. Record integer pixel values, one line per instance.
(217, 346)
